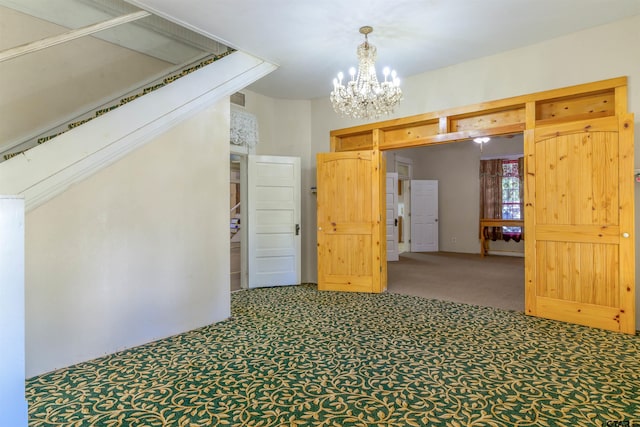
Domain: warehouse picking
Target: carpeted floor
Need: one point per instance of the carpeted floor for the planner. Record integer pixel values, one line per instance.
(293, 356)
(492, 281)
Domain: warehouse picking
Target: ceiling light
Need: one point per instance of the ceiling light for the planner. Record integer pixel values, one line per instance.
(481, 140)
(364, 97)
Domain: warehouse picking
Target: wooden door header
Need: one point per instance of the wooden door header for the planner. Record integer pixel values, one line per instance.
(502, 117)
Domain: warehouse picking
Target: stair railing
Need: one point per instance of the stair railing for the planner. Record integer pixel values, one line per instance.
(103, 107)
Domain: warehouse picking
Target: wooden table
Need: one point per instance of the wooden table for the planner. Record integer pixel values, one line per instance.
(495, 222)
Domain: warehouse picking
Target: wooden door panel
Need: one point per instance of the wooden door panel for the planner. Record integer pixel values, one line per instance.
(580, 180)
(350, 212)
(582, 226)
(595, 316)
(346, 255)
(579, 276)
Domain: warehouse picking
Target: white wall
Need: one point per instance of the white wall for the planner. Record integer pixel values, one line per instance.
(137, 252)
(599, 53)
(13, 404)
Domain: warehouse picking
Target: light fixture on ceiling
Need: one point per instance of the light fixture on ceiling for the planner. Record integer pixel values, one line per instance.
(364, 97)
(481, 140)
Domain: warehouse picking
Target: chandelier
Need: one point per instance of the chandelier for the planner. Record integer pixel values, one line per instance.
(364, 97)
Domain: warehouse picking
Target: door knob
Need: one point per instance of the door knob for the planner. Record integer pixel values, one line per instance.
(625, 235)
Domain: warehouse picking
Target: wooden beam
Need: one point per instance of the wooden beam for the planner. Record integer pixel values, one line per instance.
(37, 45)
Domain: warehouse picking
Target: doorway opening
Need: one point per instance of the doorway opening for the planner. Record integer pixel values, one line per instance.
(403, 166)
(237, 223)
(455, 272)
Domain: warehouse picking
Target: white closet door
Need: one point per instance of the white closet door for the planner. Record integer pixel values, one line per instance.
(424, 216)
(273, 220)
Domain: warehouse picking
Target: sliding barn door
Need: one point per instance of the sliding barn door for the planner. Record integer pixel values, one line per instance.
(579, 223)
(351, 222)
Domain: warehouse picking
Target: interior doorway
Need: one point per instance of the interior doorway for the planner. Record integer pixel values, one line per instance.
(403, 167)
(235, 223)
(456, 272)
(578, 201)
(456, 167)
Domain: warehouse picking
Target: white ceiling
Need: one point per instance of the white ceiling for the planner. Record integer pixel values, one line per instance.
(312, 40)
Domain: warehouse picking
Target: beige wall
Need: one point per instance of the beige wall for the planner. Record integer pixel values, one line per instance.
(284, 129)
(138, 251)
(56, 84)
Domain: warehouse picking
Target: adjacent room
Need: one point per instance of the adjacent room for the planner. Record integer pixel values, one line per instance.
(454, 269)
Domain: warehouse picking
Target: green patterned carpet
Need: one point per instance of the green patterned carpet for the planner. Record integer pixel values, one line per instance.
(293, 356)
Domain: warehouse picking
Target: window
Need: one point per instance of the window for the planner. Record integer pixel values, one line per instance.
(501, 196)
(511, 202)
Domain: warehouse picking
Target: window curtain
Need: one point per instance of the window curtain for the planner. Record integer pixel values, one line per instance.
(491, 202)
(491, 195)
(521, 179)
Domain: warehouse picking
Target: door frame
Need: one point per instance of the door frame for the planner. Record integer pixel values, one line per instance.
(558, 107)
(244, 199)
(406, 220)
(394, 255)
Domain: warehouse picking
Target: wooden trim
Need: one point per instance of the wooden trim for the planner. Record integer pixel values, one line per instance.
(451, 137)
(378, 255)
(500, 117)
(530, 301)
(627, 225)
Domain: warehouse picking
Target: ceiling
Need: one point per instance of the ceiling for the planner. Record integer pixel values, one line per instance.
(312, 40)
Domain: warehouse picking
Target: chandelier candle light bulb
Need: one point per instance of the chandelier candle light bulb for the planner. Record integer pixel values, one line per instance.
(364, 97)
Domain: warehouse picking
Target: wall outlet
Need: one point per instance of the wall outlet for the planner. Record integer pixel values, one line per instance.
(454, 240)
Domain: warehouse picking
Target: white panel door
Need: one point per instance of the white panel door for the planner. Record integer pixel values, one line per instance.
(424, 216)
(392, 216)
(273, 231)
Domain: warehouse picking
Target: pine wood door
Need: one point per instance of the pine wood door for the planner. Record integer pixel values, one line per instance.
(351, 218)
(579, 223)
